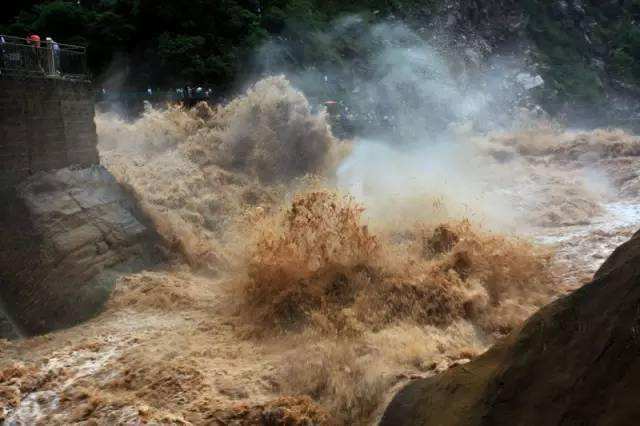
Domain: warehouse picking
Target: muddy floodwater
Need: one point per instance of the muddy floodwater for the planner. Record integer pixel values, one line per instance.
(308, 277)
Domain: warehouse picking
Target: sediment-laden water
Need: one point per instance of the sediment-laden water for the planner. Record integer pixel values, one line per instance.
(310, 276)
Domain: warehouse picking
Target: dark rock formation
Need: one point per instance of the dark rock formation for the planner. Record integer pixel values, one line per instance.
(576, 362)
(66, 235)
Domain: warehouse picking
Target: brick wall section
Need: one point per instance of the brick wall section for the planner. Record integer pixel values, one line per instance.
(45, 124)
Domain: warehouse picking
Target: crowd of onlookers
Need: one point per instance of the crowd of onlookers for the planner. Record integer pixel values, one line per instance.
(188, 95)
(30, 54)
(131, 103)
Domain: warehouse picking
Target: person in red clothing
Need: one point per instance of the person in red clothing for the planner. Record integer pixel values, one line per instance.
(34, 41)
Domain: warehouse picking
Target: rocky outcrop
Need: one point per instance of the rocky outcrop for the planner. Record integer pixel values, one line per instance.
(577, 361)
(585, 51)
(66, 235)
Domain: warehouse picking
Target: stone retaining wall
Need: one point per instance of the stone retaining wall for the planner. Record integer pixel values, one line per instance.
(45, 124)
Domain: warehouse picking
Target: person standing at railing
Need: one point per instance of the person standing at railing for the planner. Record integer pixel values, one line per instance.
(2, 53)
(53, 56)
(34, 41)
(56, 58)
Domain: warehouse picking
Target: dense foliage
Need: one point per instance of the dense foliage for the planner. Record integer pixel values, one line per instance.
(167, 42)
(581, 46)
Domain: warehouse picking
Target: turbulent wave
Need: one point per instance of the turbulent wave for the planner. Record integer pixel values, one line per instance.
(370, 261)
(196, 172)
(269, 134)
(320, 264)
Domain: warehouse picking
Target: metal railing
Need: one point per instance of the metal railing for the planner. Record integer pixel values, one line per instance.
(20, 56)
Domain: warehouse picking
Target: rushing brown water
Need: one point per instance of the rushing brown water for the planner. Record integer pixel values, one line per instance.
(310, 276)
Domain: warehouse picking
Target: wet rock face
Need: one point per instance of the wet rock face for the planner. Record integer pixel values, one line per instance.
(577, 361)
(66, 235)
(7, 328)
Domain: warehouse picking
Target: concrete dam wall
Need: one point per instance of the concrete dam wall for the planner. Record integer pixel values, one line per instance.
(67, 227)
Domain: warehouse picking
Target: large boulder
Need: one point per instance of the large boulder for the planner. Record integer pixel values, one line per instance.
(575, 362)
(66, 235)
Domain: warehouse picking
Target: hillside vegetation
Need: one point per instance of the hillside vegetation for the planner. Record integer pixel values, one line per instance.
(582, 48)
